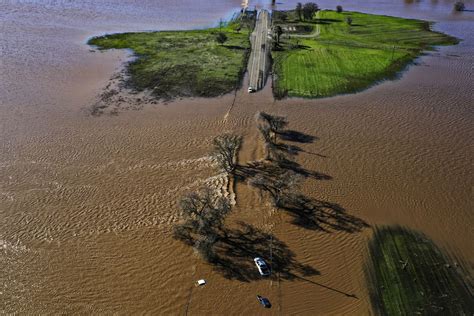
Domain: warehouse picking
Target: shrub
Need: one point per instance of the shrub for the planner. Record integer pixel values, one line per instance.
(459, 6)
(221, 38)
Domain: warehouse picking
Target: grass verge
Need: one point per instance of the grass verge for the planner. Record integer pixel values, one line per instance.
(409, 275)
(346, 58)
(185, 63)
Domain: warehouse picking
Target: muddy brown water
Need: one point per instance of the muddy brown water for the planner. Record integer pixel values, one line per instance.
(87, 203)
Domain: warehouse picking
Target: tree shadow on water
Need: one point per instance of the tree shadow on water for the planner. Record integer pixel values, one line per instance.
(307, 212)
(251, 169)
(292, 165)
(320, 215)
(236, 249)
(296, 136)
(279, 177)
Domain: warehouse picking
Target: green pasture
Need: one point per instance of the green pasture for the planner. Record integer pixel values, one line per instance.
(184, 63)
(347, 58)
(409, 275)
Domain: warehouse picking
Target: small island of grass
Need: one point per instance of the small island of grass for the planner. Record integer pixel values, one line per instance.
(205, 63)
(323, 54)
(344, 52)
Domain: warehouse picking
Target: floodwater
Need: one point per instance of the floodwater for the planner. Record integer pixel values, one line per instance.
(87, 203)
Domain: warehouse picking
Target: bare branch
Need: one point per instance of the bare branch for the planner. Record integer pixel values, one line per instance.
(274, 122)
(226, 148)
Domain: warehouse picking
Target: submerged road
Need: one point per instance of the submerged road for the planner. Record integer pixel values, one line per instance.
(259, 57)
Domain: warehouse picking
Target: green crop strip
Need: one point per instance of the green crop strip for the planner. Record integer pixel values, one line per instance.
(409, 275)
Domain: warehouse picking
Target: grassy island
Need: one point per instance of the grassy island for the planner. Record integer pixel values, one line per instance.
(185, 63)
(345, 52)
(409, 275)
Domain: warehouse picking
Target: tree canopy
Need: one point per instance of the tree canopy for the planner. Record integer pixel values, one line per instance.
(225, 151)
(309, 9)
(299, 10)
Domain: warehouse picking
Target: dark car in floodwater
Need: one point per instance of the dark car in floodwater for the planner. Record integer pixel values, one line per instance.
(264, 301)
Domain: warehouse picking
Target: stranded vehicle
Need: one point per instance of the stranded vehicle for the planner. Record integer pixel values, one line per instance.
(262, 266)
(264, 301)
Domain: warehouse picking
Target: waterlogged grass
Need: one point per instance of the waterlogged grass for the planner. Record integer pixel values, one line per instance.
(409, 275)
(344, 58)
(184, 63)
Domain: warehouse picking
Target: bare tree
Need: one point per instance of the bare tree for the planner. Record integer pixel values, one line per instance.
(266, 132)
(205, 217)
(226, 148)
(269, 126)
(286, 183)
(278, 185)
(205, 209)
(260, 182)
(276, 123)
(268, 142)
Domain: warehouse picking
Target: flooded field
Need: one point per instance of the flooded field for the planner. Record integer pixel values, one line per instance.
(87, 204)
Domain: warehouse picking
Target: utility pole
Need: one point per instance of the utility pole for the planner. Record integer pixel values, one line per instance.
(271, 253)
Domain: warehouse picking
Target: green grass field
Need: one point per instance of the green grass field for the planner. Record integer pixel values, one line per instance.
(409, 275)
(185, 63)
(344, 58)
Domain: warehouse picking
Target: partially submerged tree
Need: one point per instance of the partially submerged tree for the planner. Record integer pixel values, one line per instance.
(226, 148)
(221, 38)
(269, 126)
(277, 186)
(268, 141)
(275, 123)
(204, 218)
(309, 9)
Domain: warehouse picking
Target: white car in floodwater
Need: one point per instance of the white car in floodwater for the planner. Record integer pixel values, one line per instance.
(262, 266)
